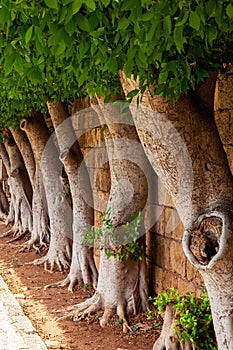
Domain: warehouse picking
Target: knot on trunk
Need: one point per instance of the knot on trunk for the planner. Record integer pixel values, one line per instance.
(205, 240)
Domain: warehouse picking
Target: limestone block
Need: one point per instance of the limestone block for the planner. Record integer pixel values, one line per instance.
(177, 258)
(173, 225)
(193, 275)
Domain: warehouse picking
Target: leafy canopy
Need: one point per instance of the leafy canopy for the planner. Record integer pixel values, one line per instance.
(53, 49)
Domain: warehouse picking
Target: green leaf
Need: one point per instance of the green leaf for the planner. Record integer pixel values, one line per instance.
(210, 8)
(18, 64)
(106, 2)
(129, 4)
(4, 15)
(75, 7)
(93, 21)
(28, 34)
(2, 41)
(154, 28)
(229, 11)
(167, 25)
(83, 48)
(53, 4)
(132, 93)
(194, 20)
(212, 34)
(131, 52)
(148, 16)
(61, 48)
(163, 75)
(36, 76)
(142, 58)
(112, 64)
(123, 23)
(179, 39)
(83, 23)
(9, 62)
(90, 4)
(182, 20)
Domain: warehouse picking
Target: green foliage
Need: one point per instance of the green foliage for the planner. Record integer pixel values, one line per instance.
(193, 320)
(87, 287)
(53, 49)
(67, 191)
(121, 243)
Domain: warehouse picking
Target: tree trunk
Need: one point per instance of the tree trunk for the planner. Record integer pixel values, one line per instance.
(122, 285)
(4, 204)
(20, 187)
(175, 138)
(6, 163)
(82, 265)
(25, 149)
(32, 155)
(47, 177)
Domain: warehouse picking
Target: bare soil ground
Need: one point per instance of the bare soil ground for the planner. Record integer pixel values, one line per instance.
(27, 282)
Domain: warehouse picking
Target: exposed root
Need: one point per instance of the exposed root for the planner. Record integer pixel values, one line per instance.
(3, 217)
(58, 260)
(10, 232)
(168, 339)
(31, 245)
(93, 305)
(61, 284)
(17, 237)
(122, 316)
(82, 310)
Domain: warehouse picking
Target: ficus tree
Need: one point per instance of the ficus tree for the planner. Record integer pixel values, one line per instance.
(163, 52)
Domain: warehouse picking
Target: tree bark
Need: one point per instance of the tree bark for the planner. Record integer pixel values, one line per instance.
(82, 266)
(25, 149)
(20, 188)
(205, 203)
(48, 171)
(6, 163)
(122, 285)
(37, 137)
(4, 204)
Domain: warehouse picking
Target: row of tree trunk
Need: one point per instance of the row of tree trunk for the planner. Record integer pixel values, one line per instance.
(53, 195)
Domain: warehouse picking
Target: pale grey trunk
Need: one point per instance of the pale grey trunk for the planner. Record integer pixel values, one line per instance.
(122, 285)
(6, 163)
(20, 188)
(37, 136)
(205, 203)
(82, 265)
(4, 204)
(49, 171)
(25, 148)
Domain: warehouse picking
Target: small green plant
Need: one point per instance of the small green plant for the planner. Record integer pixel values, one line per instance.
(119, 322)
(66, 192)
(136, 327)
(193, 319)
(122, 243)
(87, 287)
(14, 262)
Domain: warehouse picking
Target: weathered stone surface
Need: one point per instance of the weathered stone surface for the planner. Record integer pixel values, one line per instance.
(223, 93)
(16, 331)
(177, 258)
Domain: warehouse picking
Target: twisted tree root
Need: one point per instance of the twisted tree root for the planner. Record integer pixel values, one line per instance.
(91, 306)
(60, 260)
(65, 282)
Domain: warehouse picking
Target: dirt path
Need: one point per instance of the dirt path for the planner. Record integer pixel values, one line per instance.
(27, 283)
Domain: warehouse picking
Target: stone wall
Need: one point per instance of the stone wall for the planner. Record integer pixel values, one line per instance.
(168, 266)
(224, 113)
